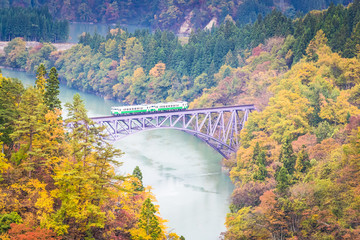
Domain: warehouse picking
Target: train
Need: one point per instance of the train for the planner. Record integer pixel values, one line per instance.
(149, 108)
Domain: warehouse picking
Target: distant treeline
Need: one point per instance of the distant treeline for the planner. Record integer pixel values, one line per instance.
(170, 15)
(33, 24)
(152, 67)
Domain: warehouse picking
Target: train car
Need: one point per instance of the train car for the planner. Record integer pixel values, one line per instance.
(123, 110)
(145, 108)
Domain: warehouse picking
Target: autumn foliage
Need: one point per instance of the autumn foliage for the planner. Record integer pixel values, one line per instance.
(296, 173)
(60, 184)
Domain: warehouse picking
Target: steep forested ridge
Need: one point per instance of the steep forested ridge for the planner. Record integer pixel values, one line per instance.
(144, 67)
(170, 14)
(296, 173)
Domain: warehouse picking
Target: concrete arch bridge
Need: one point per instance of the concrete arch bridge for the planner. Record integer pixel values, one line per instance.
(219, 127)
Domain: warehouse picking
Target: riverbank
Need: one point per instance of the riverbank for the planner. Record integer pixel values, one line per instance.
(31, 44)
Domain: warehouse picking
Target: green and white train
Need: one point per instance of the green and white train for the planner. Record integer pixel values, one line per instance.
(148, 108)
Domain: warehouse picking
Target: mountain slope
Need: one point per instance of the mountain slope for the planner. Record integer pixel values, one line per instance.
(170, 14)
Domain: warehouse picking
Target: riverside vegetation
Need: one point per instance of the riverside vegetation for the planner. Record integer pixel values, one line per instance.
(59, 184)
(143, 67)
(296, 174)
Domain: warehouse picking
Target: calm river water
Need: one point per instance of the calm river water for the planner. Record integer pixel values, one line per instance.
(76, 29)
(185, 173)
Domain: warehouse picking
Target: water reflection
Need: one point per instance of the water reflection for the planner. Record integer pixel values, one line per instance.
(76, 29)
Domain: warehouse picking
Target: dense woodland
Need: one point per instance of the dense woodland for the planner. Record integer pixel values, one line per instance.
(60, 184)
(169, 14)
(32, 24)
(296, 173)
(144, 67)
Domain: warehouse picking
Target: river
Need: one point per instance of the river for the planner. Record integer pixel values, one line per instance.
(76, 29)
(184, 172)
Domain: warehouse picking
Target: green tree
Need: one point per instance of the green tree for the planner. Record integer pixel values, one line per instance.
(283, 180)
(323, 131)
(8, 218)
(287, 156)
(302, 161)
(149, 222)
(51, 98)
(259, 159)
(28, 128)
(82, 137)
(350, 46)
(137, 173)
(10, 96)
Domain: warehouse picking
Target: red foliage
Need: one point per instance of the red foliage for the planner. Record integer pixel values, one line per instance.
(227, 89)
(262, 67)
(24, 232)
(322, 150)
(36, 48)
(249, 194)
(256, 51)
(308, 140)
(354, 123)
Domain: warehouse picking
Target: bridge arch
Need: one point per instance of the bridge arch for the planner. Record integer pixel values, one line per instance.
(218, 127)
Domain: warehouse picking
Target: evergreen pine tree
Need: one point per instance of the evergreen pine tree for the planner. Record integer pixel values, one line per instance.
(259, 158)
(28, 127)
(137, 173)
(350, 46)
(52, 91)
(10, 96)
(82, 136)
(282, 178)
(256, 152)
(287, 156)
(149, 222)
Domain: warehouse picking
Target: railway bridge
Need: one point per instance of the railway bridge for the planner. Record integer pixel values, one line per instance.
(219, 127)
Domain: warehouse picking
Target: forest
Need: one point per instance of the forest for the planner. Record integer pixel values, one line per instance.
(144, 67)
(296, 174)
(32, 24)
(60, 184)
(170, 14)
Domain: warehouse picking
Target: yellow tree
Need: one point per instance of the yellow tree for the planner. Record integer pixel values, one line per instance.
(85, 179)
(158, 70)
(338, 111)
(41, 79)
(4, 164)
(315, 45)
(286, 116)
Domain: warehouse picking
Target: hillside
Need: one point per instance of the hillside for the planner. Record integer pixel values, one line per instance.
(153, 67)
(296, 174)
(169, 14)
